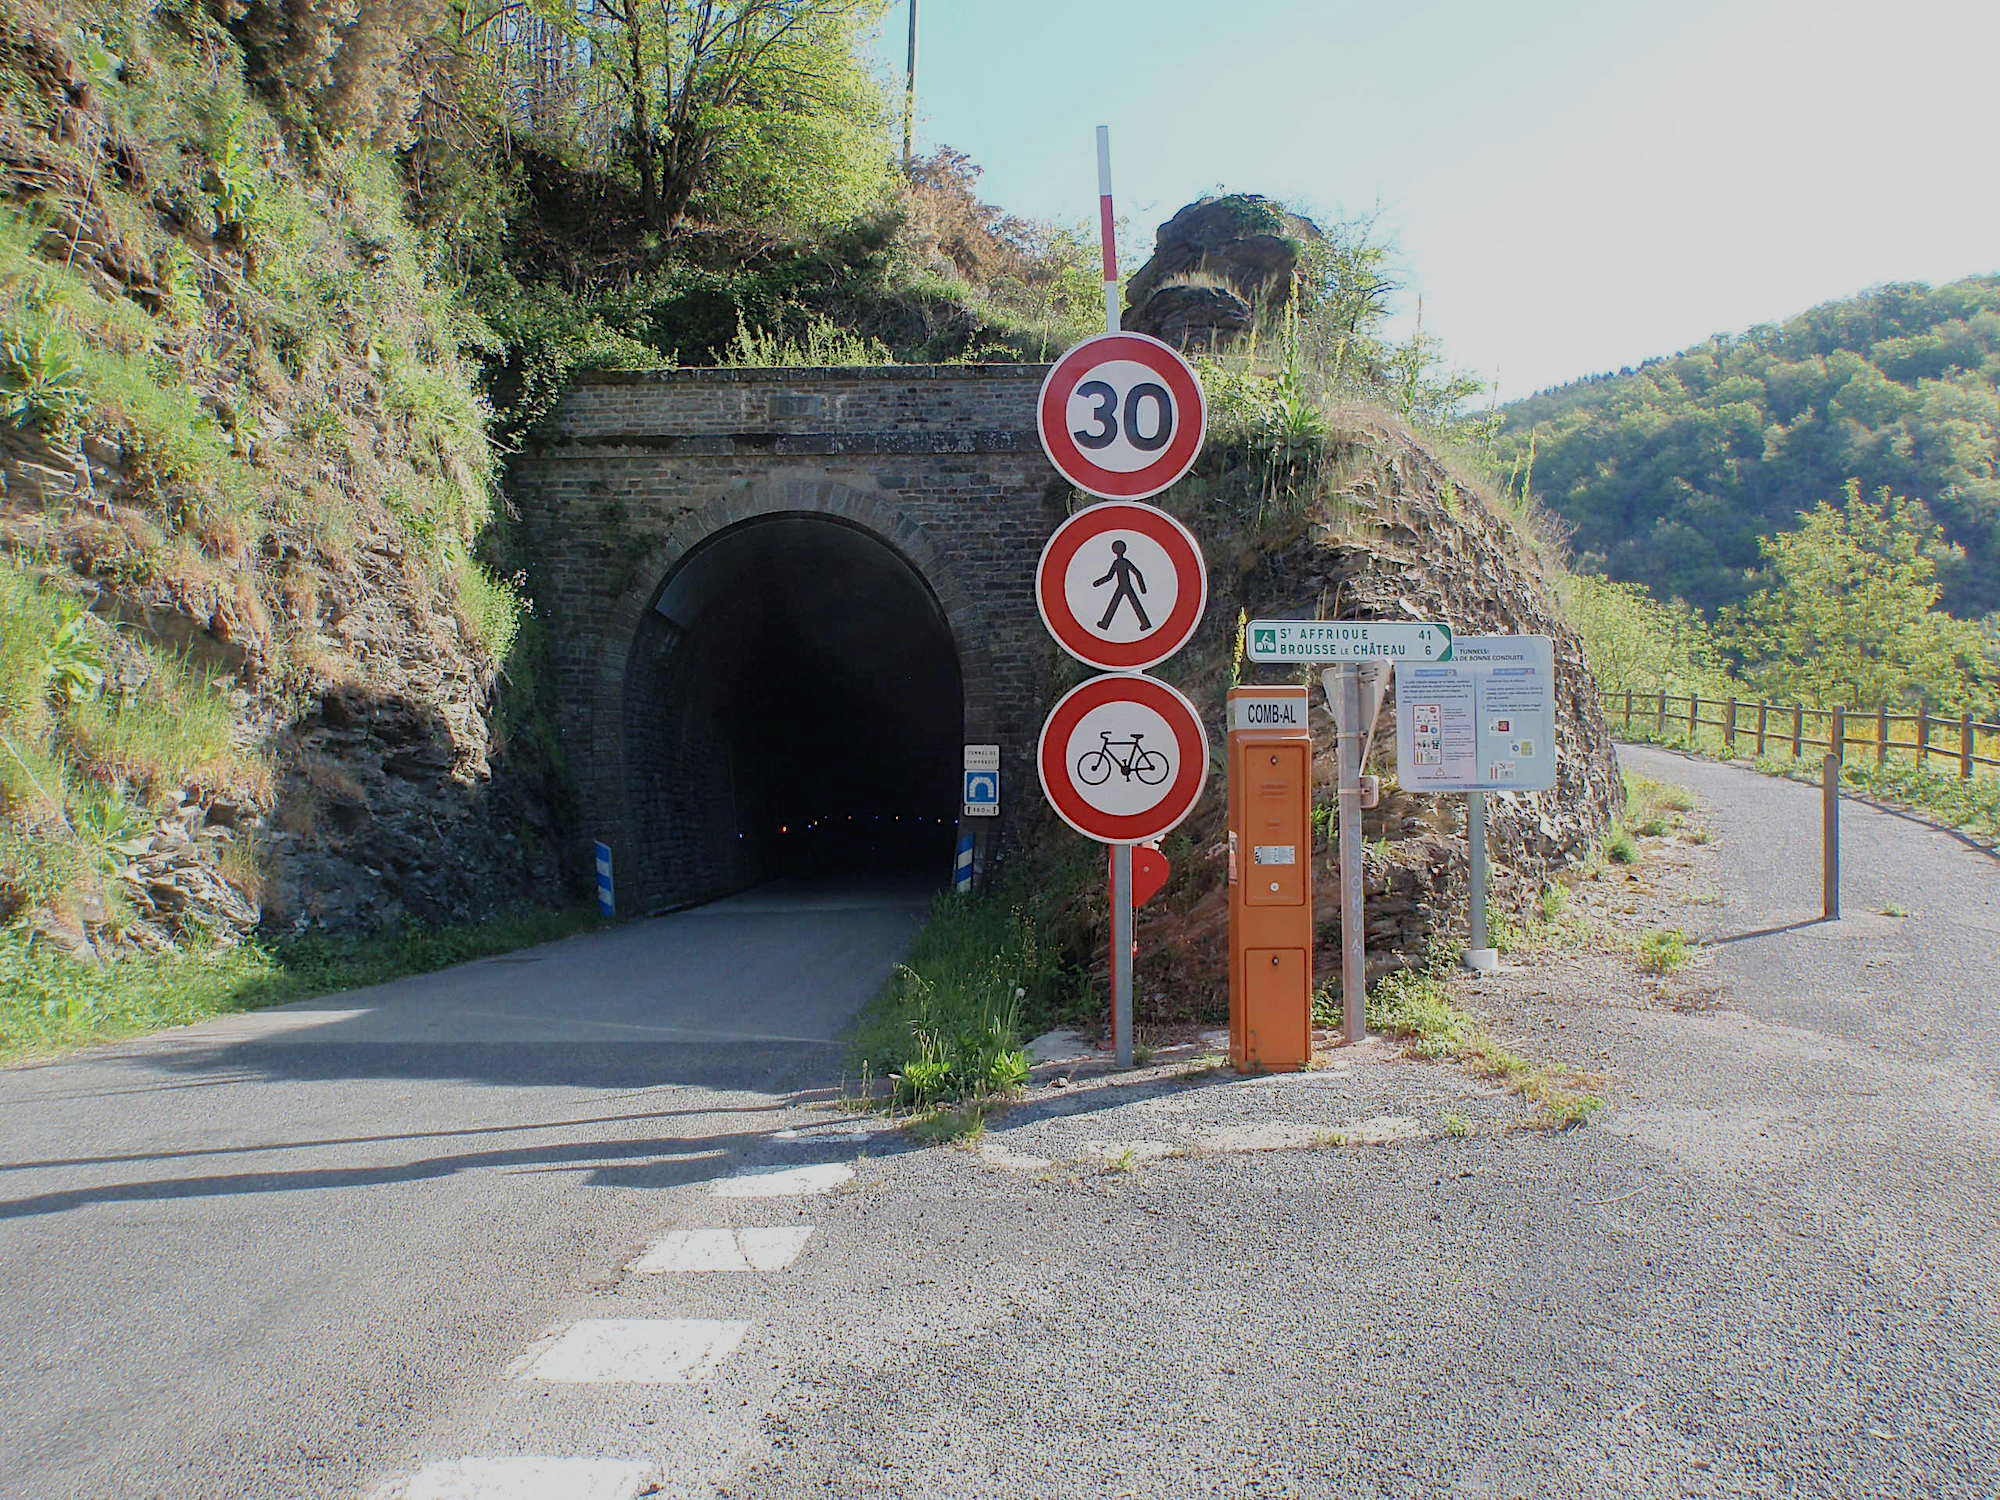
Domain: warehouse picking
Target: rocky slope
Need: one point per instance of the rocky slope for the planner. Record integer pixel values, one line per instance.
(244, 489)
(1377, 527)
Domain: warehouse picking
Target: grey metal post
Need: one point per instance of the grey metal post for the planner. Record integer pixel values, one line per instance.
(1353, 920)
(1121, 952)
(1480, 957)
(1830, 838)
(910, 97)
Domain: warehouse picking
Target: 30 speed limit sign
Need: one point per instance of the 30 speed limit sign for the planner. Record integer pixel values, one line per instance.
(1122, 416)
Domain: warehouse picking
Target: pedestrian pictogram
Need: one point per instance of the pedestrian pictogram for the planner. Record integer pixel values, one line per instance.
(1121, 585)
(1123, 758)
(1122, 416)
(1124, 573)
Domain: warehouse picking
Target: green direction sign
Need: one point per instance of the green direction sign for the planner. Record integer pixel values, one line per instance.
(1348, 640)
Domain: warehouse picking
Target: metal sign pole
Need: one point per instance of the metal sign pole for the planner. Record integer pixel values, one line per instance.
(1481, 957)
(1353, 930)
(1123, 937)
(1122, 940)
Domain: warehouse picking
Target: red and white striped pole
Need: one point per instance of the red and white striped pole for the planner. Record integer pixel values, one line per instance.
(1107, 229)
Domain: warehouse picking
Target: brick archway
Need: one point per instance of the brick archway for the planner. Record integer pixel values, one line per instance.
(638, 475)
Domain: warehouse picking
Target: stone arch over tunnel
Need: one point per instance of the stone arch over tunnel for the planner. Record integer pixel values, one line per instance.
(793, 700)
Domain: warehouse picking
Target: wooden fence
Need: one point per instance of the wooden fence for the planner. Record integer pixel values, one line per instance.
(1776, 729)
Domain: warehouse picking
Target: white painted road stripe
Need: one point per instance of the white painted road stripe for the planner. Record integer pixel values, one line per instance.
(783, 1182)
(723, 1250)
(636, 1351)
(523, 1479)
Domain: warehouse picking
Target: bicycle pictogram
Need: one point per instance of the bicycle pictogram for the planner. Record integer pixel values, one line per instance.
(1093, 767)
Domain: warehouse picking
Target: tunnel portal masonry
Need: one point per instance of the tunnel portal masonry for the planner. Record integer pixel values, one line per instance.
(855, 546)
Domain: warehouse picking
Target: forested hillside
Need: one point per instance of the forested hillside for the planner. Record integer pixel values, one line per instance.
(1668, 474)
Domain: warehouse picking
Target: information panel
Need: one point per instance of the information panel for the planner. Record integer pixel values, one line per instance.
(1483, 721)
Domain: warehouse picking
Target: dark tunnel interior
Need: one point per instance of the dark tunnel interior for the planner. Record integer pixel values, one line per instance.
(803, 714)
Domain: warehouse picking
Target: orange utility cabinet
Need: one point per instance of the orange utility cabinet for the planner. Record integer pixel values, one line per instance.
(1270, 879)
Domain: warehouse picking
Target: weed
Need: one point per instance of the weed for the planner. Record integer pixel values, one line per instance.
(1142, 1056)
(1125, 1161)
(1893, 910)
(823, 344)
(1663, 950)
(1621, 848)
(947, 1025)
(41, 386)
(963, 1126)
(1553, 901)
(1415, 1005)
(1456, 1125)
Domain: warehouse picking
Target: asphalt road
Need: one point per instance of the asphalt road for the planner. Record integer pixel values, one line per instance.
(305, 1253)
(253, 1257)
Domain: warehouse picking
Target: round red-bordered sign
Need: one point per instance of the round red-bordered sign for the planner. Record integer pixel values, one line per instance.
(1123, 758)
(1122, 416)
(1121, 585)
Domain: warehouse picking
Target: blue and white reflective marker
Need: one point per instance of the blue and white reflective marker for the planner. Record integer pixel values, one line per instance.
(607, 902)
(961, 873)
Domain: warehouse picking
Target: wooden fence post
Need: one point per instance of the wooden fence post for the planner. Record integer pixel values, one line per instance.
(1662, 727)
(1763, 723)
(1798, 730)
(1628, 711)
(1923, 739)
(1881, 736)
(1729, 728)
(1837, 736)
(1965, 748)
(1694, 718)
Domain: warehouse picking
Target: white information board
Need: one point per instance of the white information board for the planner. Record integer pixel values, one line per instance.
(1483, 721)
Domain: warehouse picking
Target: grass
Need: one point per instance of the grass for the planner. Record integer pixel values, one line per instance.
(1654, 809)
(1970, 805)
(51, 1003)
(1415, 1005)
(946, 1029)
(1664, 950)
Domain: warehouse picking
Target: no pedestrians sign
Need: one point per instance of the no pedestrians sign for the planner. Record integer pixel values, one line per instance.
(1121, 585)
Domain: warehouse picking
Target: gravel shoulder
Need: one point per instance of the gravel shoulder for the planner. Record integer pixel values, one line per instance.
(1768, 1269)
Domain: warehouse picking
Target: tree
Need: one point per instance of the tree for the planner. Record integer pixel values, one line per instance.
(1637, 644)
(1852, 615)
(767, 101)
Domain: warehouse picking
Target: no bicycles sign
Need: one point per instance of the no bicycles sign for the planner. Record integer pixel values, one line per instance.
(1123, 758)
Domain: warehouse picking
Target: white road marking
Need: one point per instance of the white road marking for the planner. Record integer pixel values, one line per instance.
(783, 1182)
(723, 1250)
(635, 1351)
(522, 1479)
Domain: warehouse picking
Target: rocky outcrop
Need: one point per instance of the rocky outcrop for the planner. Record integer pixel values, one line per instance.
(1217, 266)
(1390, 534)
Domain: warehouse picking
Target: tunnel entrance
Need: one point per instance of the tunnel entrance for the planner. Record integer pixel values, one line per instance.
(794, 708)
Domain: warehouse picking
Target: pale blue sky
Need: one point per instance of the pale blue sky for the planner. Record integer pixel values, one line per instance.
(1573, 185)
